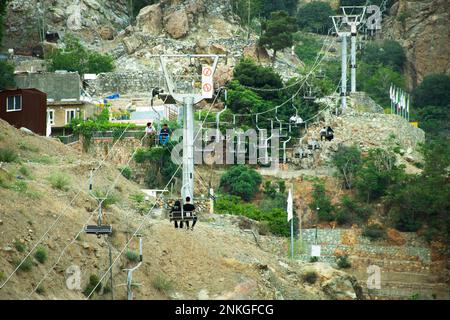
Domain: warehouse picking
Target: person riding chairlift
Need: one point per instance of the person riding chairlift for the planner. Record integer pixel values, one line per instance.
(176, 210)
(188, 209)
(329, 135)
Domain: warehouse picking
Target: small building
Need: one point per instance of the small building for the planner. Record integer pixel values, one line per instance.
(64, 101)
(25, 108)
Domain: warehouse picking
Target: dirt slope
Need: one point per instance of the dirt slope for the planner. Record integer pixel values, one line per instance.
(217, 260)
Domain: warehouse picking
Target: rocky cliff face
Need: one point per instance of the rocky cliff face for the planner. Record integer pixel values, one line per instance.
(92, 20)
(421, 27)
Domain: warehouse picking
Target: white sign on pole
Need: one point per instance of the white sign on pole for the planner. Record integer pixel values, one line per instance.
(207, 82)
(315, 251)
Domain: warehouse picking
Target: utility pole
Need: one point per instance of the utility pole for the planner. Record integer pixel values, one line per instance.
(130, 272)
(188, 100)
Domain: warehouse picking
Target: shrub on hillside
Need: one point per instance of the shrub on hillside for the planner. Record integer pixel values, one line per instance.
(94, 282)
(162, 284)
(59, 180)
(374, 232)
(343, 262)
(321, 203)
(41, 255)
(310, 277)
(26, 265)
(126, 172)
(347, 160)
(8, 155)
(241, 181)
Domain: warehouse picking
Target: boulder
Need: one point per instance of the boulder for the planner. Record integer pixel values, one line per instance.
(106, 32)
(149, 19)
(176, 24)
(256, 53)
(218, 49)
(131, 44)
(223, 75)
(337, 284)
(395, 237)
(201, 45)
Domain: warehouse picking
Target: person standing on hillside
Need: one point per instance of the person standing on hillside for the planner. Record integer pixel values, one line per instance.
(189, 209)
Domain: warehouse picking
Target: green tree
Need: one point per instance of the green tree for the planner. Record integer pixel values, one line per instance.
(424, 199)
(243, 100)
(241, 181)
(315, 17)
(435, 121)
(6, 75)
(321, 203)
(388, 53)
(248, 73)
(378, 172)
(3, 6)
(277, 32)
(347, 160)
(75, 57)
(434, 90)
(376, 81)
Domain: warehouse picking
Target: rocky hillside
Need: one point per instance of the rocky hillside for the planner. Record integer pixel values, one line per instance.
(217, 260)
(421, 27)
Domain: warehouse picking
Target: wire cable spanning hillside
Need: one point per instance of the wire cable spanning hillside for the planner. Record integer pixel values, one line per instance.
(92, 214)
(145, 217)
(63, 212)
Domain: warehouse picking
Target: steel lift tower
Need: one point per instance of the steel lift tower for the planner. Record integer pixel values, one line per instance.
(339, 26)
(353, 21)
(187, 96)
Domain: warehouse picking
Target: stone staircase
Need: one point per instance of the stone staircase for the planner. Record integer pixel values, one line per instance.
(406, 271)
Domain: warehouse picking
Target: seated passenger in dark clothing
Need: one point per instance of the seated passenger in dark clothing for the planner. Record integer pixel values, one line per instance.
(176, 210)
(329, 135)
(189, 209)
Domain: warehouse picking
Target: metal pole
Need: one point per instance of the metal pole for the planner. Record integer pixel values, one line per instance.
(188, 150)
(110, 270)
(292, 238)
(344, 73)
(353, 58)
(211, 201)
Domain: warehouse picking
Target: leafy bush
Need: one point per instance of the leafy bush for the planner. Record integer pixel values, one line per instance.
(20, 247)
(75, 57)
(40, 289)
(6, 72)
(374, 232)
(132, 256)
(94, 282)
(313, 259)
(25, 266)
(352, 211)
(272, 217)
(269, 189)
(59, 180)
(8, 155)
(25, 171)
(162, 284)
(321, 203)
(241, 181)
(343, 262)
(126, 172)
(109, 197)
(308, 48)
(41, 255)
(310, 276)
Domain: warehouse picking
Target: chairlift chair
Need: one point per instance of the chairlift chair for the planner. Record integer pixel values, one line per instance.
(104, 229)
